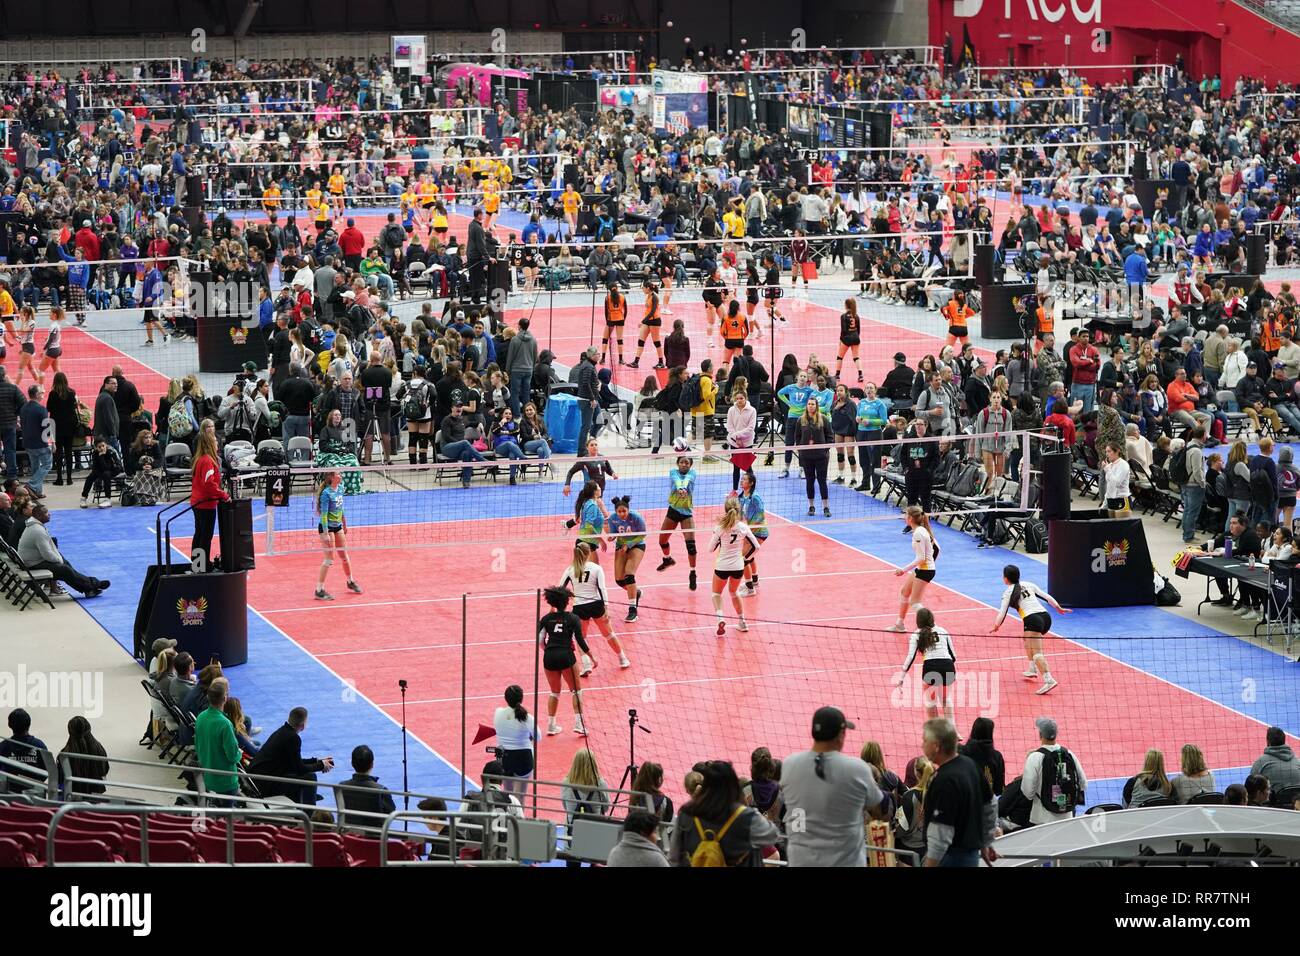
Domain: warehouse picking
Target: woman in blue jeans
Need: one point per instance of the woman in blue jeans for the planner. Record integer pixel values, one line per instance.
(505, 440)
(532, 433)
(455, 443)
(1237, 476)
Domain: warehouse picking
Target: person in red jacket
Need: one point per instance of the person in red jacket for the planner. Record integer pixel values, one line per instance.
(1085, 361)
(1182, 397)
(353, 244)
(205, 492)
(302, 305)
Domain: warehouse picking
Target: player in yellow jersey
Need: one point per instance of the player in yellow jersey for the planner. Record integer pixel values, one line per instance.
(271, 199)
(572, 203)
(491, 201)
(314, 195)
(337, 186)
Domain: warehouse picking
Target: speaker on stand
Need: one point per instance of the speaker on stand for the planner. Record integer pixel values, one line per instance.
(1055, 491)
(983, 265)
(1256, 254)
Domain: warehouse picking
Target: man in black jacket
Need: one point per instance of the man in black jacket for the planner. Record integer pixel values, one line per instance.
(127, 400)
(897, 386)
(370, 797)
(11, 399)
(588, 393)
(281, 756)
(477, 256)
(1245, 542)
(297, 393)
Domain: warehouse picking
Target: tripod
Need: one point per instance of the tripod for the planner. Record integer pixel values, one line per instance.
(406, 785)
(630, 771)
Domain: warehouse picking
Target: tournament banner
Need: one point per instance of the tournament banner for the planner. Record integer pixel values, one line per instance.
(639, 99)
(411, 53)
(681, 101)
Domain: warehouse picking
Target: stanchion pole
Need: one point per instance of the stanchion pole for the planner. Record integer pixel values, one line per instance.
(537, 695)
(464, 649)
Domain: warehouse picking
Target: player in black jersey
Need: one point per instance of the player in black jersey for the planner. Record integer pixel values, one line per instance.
(557, 632)
(772, 286)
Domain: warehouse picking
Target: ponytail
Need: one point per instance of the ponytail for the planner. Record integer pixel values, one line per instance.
(926, 635)
(515, 700)
(1012, 573)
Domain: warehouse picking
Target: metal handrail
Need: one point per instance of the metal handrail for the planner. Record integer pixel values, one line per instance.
(490, 823)
(161, 532)
(143, 813)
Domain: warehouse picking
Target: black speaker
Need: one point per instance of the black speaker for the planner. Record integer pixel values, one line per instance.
(1054, 498)
(1256, 254)
(235, 526)
(1140, 164)
(194, 189)
(193, 218)
(984, 265)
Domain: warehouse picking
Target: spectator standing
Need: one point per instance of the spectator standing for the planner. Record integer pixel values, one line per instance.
(960, 813)
(1053, 778)
(827, 796)
(11, 400)
(588, 392)
(37, 432)
(107, 422)
(217, 748)
(521, 360)
(1085, 362)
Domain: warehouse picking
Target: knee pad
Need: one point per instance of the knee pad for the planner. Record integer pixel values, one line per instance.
(690, 546)
(327, 562)
(553, 698)
(629, 579)
(640, 343)
(621, 582)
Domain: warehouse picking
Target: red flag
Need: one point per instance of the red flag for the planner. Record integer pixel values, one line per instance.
(484, 732)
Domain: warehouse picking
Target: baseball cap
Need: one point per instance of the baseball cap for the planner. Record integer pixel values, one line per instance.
(1046, 728)
(900, 357)
(349, 294)
(352, 222)
(162, 644)
(1251, 365)
(250, 366)
(460, 316)
(1277, 365)
(828, 723)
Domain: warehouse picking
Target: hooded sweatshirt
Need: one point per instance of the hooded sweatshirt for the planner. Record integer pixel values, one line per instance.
(1280, 766)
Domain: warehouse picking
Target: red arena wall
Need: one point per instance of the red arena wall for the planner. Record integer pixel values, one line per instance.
(1213, 36)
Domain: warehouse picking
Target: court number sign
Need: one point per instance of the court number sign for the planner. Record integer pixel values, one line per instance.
(278, 482)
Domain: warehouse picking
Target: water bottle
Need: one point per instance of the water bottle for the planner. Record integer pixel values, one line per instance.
(1252, 562)
(1227, 547)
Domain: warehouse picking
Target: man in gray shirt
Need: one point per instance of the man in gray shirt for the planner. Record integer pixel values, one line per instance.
(521, 357)
(826, 796)
(935, 403)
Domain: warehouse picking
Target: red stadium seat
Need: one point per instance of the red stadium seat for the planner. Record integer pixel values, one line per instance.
(13, 854)
(165, 850)
(365, 850)
(328, 847)
(84, 851)
(247, 849)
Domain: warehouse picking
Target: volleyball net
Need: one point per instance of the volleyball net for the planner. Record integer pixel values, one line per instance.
(471, 503)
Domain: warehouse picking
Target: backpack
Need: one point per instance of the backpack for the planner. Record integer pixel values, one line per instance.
(1167, 595)
(690, 394)
(1261, 487)
(83, 417)
(178, 420)
(1059, 790)
(966, 480)
(709, 851)
(1177, 469)
(1035, 536)
(1286, 481)
(270, 456)
(416, 404)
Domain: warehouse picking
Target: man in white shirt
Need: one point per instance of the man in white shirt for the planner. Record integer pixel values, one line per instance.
(826, 794)
(1031, 784)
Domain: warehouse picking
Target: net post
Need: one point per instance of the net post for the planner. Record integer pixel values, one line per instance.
(537, 691)
(1026, 471)
(464, 662)
(270, 531)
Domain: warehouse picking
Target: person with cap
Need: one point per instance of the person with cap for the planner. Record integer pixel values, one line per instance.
(1053, 779)
(961, 813)
(352, 242)
(897, 386)
(829, 793)
(1252, 398)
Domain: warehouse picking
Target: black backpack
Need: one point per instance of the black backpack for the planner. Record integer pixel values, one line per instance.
(1261, 487)
(1178, 471)
(270, 456)
(690, 395)
(416, 403)
(1059, 790)
(1035, 536)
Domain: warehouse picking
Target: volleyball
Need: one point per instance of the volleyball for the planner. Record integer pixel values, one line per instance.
(681, 445)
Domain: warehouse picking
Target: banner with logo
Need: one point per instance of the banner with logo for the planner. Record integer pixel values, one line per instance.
(681, 101)
(639, 99)
(411, 53)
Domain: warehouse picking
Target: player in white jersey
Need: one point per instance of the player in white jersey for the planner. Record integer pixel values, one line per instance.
(921, 571)
(938, 667)
(1027, 600)
(586, 579)
(729, 540)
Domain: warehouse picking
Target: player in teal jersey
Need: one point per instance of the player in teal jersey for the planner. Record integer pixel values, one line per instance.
(681, 514)
(332, 526)
(751, 509)
(628, 530)
(590, 515)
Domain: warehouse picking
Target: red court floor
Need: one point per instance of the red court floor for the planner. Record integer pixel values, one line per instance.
(87, 359)
(702, 696)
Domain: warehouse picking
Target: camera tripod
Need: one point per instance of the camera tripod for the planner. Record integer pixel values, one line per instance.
(630, 771)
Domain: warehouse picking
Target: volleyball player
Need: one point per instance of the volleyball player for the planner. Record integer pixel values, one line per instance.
(651, 323)
(958, 314)
(53, 343)
(713, 293)
(751, 508)
(681, 514)
(25, 336)
(735, 327)
(729, 276)
(666, 269)
(729, 539)
(752, 283)
(921, 571)
(615, 319)
(557, 632)
(850, 337)
(586, 579)
(1026, 600)
(594, 467)
(938, 667)
(590, 515)
(332, 526)
(628, 530)
(772, 286)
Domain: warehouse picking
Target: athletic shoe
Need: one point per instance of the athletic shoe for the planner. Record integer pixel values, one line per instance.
(692, 579)
(826, 512)
(747, 590)
(588, 665)
(106, 503)
(323, 595)
(354, 587)
(722, 628)
(838, 480)
(631, 614)
(665, 564)
(103, 585)
(741, 625)
(148, 342)
(1030, 674)
(897, 627)
(785, 472)
(635, 363)
(1048, 684)
(553, 728)
(665, 311)
(85, 503)
(578, 727)
(1240, 612)
(623, 662)
(811, 511)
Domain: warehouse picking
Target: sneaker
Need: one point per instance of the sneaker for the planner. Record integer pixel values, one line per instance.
(747, 590)
(838, 480)
(785, 472)
(631, 614)
(148, 342)
(85, 503)
(741, 625)
(1030, 674)
(722, 628)
(826, 512)
(553, 728)
(811, 511)
(579, 728)
(635, 363)
(1242, 612)
(1048, 683)
(106, 503)
(897, 627)
(692, 580)
(354, 587)
(665, 564)
(623, 662)
(588, 665)
(323, 595)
